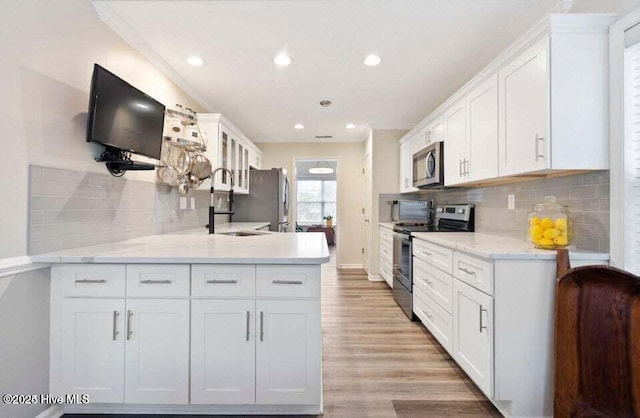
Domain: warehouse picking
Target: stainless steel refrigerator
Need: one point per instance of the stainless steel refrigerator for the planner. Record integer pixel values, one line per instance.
(267, 201)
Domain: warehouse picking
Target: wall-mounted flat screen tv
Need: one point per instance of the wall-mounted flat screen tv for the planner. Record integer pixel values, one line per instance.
(123, 117)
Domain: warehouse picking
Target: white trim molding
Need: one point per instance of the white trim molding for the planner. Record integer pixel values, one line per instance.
(351, 266)
(17, 265)
(616, 134)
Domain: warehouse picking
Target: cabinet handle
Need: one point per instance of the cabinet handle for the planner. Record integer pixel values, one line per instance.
(287, 282)
(248, 321)
(129, 332)
(261, 326)
(538, 154)
(426, 313)
(473, 273)
(460, 167)
(91, 281)
(116, 314)
(222, 281)
(155, 281)
(466, 167)
(429, 282)
(427, 253)
(480, 316)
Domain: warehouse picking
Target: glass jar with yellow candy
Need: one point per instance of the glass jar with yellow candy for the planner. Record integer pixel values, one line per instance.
(550, 224)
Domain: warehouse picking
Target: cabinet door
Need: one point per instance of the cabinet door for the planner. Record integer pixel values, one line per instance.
(223, 180)
(473, 334)
(93, 348)
(482, 138)
(157, 351)
(245, 167)
(211, 137)
(404, 166)
(223, 348)
(435, 131)
(524, 107)
(288, 354)
(455, 137)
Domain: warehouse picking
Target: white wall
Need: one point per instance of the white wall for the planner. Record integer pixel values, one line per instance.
(605, 6)
(349, 156)
(24, 339)
(48, 51)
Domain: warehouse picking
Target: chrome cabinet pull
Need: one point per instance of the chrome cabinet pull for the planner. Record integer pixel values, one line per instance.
(429, 282)
(261, 326)
(222, 281)
(466, 167)
(460, 167)
(473, 273)
(91, 281)
(248, 322)
(116, 314)
(427, 253)
(148, 281)
(129, 332)
(287, 282)
(538, 154)
(480, 316)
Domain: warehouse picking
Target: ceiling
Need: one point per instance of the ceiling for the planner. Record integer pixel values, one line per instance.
(430, 48)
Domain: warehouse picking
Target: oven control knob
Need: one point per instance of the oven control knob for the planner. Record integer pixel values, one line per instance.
(440, 209)
(461, 211)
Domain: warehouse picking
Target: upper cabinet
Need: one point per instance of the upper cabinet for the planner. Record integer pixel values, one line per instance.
(227, 147)
(407, 149)
(540, 108)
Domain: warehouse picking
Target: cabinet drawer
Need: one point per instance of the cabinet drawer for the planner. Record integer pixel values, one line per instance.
(437, 284)
(288, 281)
(101, 280)
(438, 321)
(474, 271)
(386, 250)
(223, 281)
(157, 280)
(386, 269)
(386, 235)
(435, 255)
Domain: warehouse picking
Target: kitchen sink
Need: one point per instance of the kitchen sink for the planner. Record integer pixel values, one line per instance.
(242, 233)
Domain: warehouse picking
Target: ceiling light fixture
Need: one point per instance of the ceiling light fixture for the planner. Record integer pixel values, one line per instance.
(350, 126)
(298, 126)
(321, 170)
(195, 60)
(282, 59)
(372, 60)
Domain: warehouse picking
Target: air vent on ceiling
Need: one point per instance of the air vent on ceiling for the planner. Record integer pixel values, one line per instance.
(324, 136)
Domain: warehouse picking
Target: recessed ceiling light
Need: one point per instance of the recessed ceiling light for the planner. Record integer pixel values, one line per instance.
(372, 60)
(298, 126)
(195, 60)
(350, 126)
(282, 59)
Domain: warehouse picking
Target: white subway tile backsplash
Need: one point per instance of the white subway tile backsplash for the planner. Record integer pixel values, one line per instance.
(71, 209)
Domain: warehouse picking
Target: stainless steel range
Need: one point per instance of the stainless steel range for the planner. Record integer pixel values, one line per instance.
(449, 218)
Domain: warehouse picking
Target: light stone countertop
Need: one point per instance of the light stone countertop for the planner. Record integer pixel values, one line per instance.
(198, 247)
(497, 247)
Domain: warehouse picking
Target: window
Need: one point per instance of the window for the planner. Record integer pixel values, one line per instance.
(315, 200)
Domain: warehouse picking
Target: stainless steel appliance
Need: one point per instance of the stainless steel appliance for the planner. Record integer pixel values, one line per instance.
(412, 211)
(428, 166)
(267, 201)
(449, 218)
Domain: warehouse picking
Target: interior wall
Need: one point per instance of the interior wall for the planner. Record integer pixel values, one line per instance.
(24, 339)
(48, 52)
(349, 157)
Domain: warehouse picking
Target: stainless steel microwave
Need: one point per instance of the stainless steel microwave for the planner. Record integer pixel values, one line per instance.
(428, 167)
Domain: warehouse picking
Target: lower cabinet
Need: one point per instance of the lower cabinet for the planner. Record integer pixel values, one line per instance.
(133, 352)
(223, 350)
(92, 348)
(386, 255)
(473, 334)
(288, 354)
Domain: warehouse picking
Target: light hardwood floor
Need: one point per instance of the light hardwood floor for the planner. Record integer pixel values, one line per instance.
(375, 358)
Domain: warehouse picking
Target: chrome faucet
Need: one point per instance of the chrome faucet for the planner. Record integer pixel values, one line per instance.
(212, 208)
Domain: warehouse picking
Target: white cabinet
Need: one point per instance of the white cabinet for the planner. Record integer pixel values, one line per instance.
(227, 147)
(157, 351)
(482, 132)
(92, 349)
(524, 105)
(223, 352)
(386, 255)
(406, 167)
(288, 355)
(455, 136)
(473, 334)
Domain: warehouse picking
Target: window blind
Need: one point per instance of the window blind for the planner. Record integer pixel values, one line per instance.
(632, 154)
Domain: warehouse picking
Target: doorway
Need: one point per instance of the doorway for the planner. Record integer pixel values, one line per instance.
(316, 197)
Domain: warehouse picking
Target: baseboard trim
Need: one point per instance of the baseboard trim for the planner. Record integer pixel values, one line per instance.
(351, 266)
(52, 412)
(193, 409)
(375, 278)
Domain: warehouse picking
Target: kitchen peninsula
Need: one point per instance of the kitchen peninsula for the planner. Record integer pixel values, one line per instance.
(190, 323)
